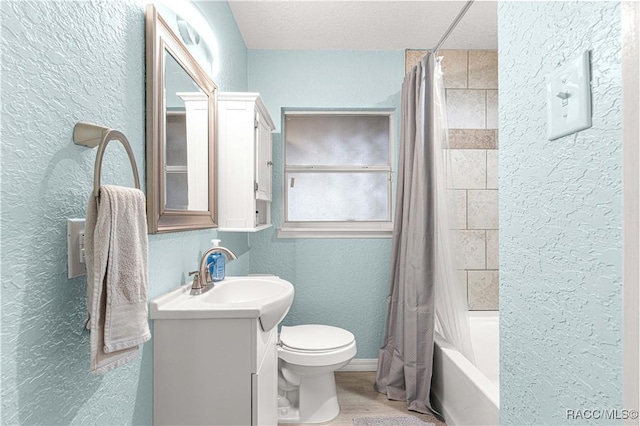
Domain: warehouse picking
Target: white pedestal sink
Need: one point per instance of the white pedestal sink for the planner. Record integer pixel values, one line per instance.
(215, 357)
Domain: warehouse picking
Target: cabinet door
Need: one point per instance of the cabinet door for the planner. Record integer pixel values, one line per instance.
(263, 159)
(264, 388)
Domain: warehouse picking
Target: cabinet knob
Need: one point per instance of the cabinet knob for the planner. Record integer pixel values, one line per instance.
(269, 163)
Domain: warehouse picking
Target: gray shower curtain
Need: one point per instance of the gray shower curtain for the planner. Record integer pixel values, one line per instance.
(406, 357)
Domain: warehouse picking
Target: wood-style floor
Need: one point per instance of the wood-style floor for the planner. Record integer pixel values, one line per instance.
(358, 398)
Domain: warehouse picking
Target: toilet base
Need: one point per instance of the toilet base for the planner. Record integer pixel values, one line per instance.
(318, 401)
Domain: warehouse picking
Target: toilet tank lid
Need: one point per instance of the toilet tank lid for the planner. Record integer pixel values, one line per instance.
(314, 337)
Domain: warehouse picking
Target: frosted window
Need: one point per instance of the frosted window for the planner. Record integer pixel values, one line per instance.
(338, 197)
(337, 140)
(337, 169)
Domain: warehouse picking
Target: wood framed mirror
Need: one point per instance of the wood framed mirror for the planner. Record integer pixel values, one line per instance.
(181, 134)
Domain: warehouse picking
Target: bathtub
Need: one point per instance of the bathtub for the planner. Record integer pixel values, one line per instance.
(467, 394)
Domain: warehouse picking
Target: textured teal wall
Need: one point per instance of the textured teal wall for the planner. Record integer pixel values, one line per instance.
(222, 37)
(341, 282)
(63, 62)
(560, 219)
(230, 66)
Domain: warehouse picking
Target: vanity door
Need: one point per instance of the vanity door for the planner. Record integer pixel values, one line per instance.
(264, 386)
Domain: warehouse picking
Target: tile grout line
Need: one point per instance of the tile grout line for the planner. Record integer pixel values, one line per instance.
(486, 169)
(486, 108)
(467, 68)
(466, 207)
(486, 251)
(466, 287)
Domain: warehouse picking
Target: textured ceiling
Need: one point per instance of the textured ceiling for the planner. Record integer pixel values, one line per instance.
(363, 25)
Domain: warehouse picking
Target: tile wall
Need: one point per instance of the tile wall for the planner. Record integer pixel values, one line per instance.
(471, 84)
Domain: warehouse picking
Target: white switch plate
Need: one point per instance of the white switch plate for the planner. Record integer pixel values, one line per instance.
(75, 252)
(569, 98)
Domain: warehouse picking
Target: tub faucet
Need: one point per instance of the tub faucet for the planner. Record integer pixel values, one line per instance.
(203, 281)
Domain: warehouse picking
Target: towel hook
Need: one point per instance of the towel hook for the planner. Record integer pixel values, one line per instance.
(91, 136)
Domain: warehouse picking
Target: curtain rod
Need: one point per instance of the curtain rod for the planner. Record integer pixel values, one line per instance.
(453, 25)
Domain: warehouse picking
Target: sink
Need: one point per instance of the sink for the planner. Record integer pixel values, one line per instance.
(267, 298)
(245, 290)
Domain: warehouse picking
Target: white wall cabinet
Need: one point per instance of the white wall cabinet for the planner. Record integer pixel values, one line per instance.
(244, 162)
(223, 372)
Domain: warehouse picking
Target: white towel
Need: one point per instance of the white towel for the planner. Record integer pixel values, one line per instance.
(116, 256)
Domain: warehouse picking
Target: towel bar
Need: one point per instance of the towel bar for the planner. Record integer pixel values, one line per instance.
(91, 136)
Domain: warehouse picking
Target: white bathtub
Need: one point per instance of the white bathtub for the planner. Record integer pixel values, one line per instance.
(464, 393)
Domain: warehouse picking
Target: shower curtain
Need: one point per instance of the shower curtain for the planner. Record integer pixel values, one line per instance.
(423, 284)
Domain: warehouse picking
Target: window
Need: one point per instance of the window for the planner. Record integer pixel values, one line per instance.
(338, 173)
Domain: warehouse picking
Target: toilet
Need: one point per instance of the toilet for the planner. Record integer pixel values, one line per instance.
(307, 357)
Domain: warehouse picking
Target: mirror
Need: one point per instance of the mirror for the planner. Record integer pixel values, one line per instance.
(181, 113)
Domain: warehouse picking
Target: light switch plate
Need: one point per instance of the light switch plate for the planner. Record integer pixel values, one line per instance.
(76, 266)
(569, 98)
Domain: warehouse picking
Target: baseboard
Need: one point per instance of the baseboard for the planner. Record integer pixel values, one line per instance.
(361, 364)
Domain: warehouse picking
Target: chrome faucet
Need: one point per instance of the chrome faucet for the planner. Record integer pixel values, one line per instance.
(202, 280)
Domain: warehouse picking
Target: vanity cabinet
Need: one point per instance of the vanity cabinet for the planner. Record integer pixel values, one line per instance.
(244, 162)
(224, 371)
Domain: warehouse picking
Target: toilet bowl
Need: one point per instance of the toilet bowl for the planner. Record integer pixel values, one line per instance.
(307, 357)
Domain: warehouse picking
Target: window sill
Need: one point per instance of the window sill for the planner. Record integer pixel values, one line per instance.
(333, 233)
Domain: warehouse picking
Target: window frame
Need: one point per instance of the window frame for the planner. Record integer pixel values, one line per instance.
(338, 229)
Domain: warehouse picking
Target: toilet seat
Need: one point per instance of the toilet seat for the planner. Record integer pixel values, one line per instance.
(315, 337)
(316, 345)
